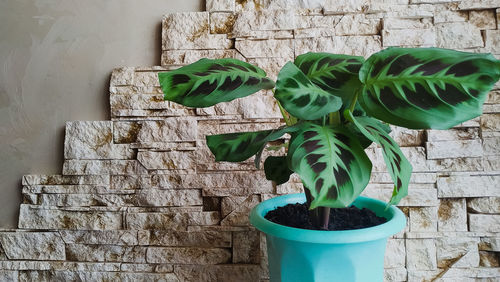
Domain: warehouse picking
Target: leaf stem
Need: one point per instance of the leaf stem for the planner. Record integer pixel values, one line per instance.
(353, 102)
(334, 118)
(285, 115)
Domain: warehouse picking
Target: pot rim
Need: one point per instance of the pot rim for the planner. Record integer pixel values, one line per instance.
(396, 221)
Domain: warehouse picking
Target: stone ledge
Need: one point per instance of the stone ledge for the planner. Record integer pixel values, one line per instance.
(43, 245)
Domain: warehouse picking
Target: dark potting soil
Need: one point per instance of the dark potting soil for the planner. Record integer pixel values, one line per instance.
(297, 215)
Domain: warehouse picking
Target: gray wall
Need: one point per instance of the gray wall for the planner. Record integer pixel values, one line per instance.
(55, 60)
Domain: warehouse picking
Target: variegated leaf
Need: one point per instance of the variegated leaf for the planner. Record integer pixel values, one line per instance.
(336, 74)
(331, 163)
(300, 97)
(208, 82)
(237, 147)
(276, 169)
(426, 87)
(398, 166)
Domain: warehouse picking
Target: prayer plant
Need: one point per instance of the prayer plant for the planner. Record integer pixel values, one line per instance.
(335, 106)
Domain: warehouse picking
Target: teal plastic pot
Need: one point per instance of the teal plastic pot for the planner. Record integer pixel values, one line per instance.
(311, 255)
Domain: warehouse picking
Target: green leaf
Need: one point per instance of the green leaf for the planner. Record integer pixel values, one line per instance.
(398, 166)
(276, 169)
(427, 87)
(237, 147)
(300, 97)
(336, 74)
(208, 82)
(331, 163)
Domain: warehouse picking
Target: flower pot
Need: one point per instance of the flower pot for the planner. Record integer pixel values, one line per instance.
(313, 255)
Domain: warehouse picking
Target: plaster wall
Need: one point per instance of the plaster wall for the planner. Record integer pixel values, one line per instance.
(56, 57)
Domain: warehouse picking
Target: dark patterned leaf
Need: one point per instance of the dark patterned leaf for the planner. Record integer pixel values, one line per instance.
(427, 87)
(336, 74)
(237, 147)
(276, 169)
(331, 163)
(398, 166)
(208, 82)
(300, 97)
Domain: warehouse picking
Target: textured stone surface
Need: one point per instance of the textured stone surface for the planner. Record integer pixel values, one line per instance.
(93, 140)
(490, 122)
(490, 244)
(104, 237)
(170, 129)
(33, 217)
(93, 276)
(416, 197)
(398, 23)
(239, 216)
(395, 274)
(492, 41)
(106, 253)
(407, 137)
(85, 200)
(484, 205)
(65, 180)
(395, 254)
(409, 37)
(122, 76)
(488, 259)
(483, 19)
(191, 30)
(166, 160)
(484, 222)
(421, 254)
(491, 146)
(220, 5)
(357, 24)
(204, 238)
(222, 23)
(350, 45)
(478, 4)
(272, 48)
(259, 106)
(454, 149)
(341, 7)
(452, 215)
(457, 252)
(423, 219)
(155, 197)
(177, 221)
(458, 35)
(460, 186)
(452, 134)
(217, 272)
(188, 255)
(42, 246)
(184, 57)
(444, 15)
(246, 247)
(248, 22)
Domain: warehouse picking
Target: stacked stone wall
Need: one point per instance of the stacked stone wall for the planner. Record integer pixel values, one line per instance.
(140, 197)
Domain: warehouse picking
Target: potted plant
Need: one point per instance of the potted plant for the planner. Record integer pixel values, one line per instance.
(334, 106)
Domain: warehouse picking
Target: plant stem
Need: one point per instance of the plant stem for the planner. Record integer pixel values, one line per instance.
(334, 118)
(325, 217)
(353, 102)
(284, 114)
(319, 216)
